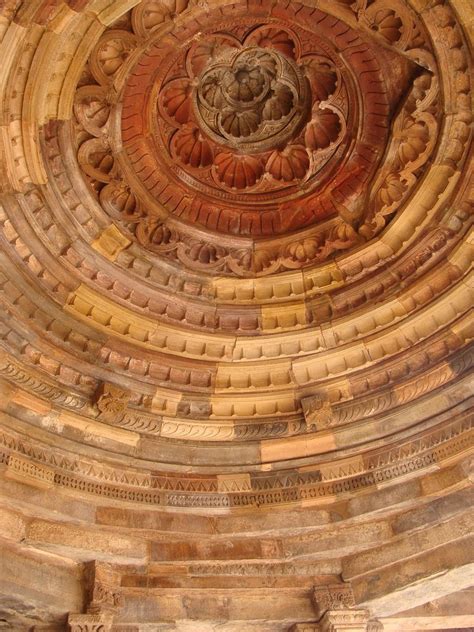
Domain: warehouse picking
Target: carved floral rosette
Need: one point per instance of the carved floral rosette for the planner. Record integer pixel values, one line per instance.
(245, 144)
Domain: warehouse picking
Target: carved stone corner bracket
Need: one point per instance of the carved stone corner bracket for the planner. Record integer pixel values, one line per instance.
(111, 400)
(335, 607)
(317, 412)
(332, 597)
(90, 622)
(103, 589)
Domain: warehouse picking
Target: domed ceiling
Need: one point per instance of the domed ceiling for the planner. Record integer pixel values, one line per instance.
(236, 243)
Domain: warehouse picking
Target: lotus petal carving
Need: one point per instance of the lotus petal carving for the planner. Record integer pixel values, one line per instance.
(266, 62)
(323, 129)
(251, 99)
(240, 124)
(387, 24)
(275, 38)
(212, 92)
(151, 13)
(155, 233)
(254, 260)
(205, 253)
(244, 84)
(207, 50)
(305, 250)
(290, 164)
(322, 77)
(415, 137)
(238, 172)
(111, 53)
(176, 100)
(343, 235)
(96, 159)
(92, 109)
(279, 105)
(120, 202)
(391, 191)
(192, 148)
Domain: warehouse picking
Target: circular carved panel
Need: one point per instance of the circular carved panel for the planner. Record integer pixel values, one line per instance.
(243, 125)
(245, 143)
(251, 99)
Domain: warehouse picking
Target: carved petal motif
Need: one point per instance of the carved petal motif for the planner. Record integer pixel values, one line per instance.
(192, 148)
(151, 13)
(212, 92)
(120, 202)
(279, 105)
(387, 24)
(415, 140)
(205, 253)
(391, 191)
(238, 172)
(275, 38)
(96, 159)
(239, 124)
(343, 235)
(305, 250)
(323, 129)
(111, 53)
(155, 233)
(92, 109)
(244, 84)
(289, 164)
(322, 78)
(207, 50)
(176, 100)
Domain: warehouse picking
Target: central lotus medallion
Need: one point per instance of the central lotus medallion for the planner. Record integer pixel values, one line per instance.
(252, 99)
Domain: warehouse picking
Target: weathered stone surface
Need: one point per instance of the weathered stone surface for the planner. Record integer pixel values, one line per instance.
(236, 314)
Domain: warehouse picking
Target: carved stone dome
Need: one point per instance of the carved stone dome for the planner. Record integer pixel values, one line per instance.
(236, 328)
